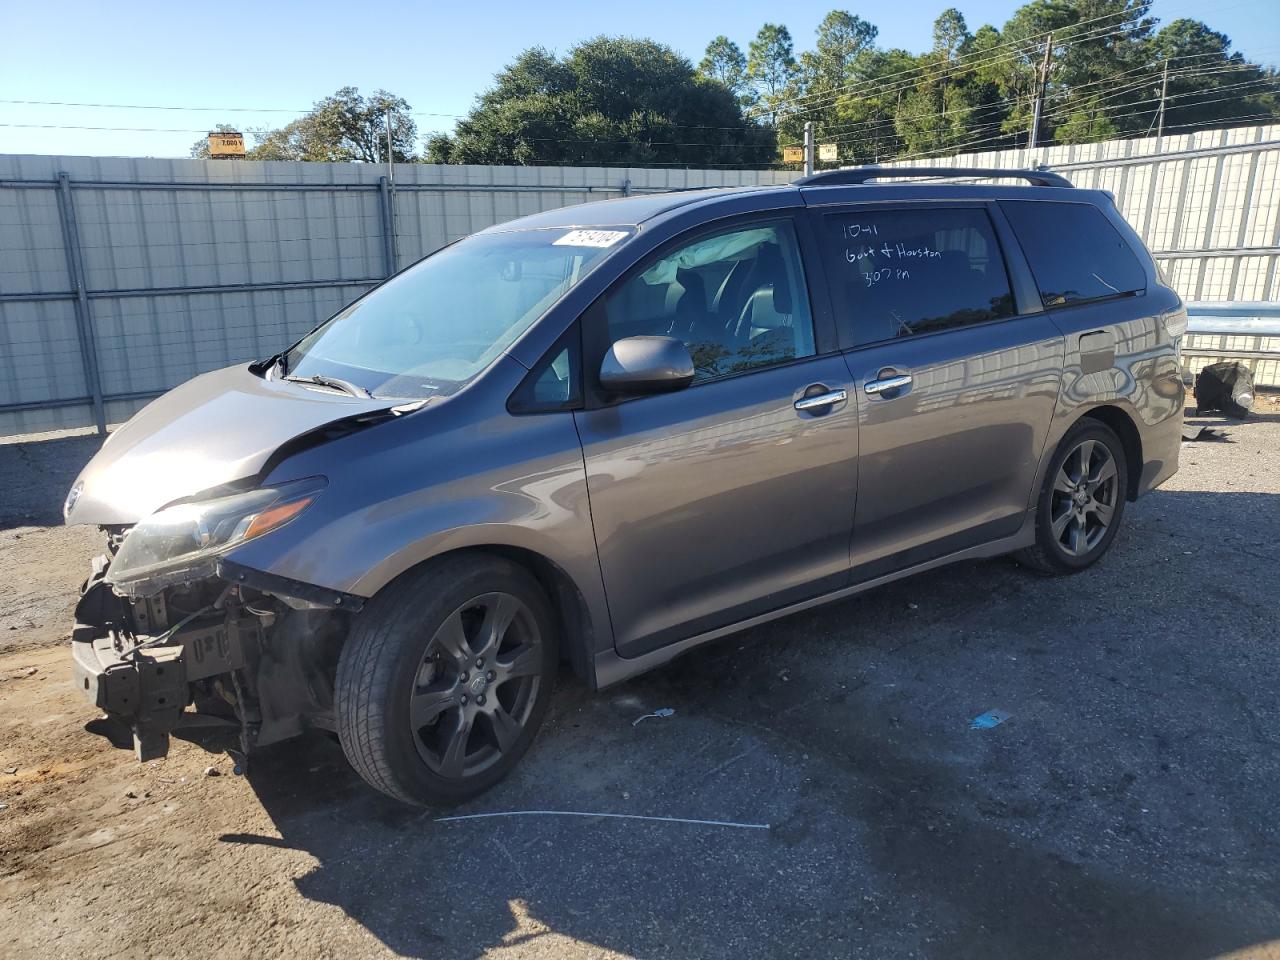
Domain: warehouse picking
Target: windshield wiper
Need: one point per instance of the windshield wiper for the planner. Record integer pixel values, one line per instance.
(334, 383)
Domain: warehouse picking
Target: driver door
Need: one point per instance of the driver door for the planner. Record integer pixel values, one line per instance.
(733, 496)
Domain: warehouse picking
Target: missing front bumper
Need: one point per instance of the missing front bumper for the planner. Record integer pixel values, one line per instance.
(266, 646)
(147, 686)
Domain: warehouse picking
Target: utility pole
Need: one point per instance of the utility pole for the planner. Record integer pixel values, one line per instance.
(391, 167)
(1164, 90)
(808, 148)
(390, 200)
(1042, 82)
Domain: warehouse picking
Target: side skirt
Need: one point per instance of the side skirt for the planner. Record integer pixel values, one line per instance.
(610, 668)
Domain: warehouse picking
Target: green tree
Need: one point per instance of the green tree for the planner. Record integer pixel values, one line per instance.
(438, 148)
(771, 66)
(825, 75)
(343, 127)
(841, 39)
(724, 63)
(1208, 83)
(950, 34)
(952, 105)
(1102, 72)
(609, 101)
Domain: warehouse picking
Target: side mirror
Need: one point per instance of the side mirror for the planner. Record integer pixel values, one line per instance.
(640, 365)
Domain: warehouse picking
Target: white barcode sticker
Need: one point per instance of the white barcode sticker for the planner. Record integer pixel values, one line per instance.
(590, 238)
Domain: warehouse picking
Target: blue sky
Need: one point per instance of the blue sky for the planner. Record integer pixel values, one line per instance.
(438, 56)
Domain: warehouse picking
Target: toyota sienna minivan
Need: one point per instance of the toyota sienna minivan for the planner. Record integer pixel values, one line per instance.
(609, 433)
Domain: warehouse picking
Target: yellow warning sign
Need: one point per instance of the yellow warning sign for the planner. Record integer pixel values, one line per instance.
(228, 143)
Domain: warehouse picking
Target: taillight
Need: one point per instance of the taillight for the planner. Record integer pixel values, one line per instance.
(1176, 323)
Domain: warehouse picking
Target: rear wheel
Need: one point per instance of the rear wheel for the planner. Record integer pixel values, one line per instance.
(445, 679)
(1081, 502)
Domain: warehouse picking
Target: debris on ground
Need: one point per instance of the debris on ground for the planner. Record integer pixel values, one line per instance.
(1225, 387)
(985, 721)
(660, 712)
(1192, 433)
(212, 772)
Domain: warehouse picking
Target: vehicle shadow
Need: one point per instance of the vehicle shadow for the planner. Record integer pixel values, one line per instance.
(1123, 810)
(35, 477)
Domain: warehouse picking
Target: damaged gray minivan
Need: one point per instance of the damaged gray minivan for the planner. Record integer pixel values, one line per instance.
(609, 433)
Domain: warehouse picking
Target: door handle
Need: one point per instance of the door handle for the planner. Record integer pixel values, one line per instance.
(887, 384)
(822, 400)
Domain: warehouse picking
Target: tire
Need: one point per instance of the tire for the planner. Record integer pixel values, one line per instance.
(1077, 516)
(408, 690)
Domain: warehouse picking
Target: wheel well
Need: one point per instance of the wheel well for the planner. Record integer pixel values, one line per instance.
(567, 602)
(1127, 431)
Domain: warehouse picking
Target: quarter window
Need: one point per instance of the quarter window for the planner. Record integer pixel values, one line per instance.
(554, 383)
(737, 299)
(1074, 252)
(898, 273)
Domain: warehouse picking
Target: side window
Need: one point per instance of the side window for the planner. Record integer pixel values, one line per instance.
(737, 299)
(896, 273)
(1074, 252)
(555, 383)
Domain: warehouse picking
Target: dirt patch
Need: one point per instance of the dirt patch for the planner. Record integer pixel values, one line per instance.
(41, 570)
(1125, 808)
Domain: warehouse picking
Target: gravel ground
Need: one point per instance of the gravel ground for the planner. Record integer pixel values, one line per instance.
(1127, 807)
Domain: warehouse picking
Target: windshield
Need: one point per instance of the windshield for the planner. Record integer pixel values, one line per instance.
(429, 330)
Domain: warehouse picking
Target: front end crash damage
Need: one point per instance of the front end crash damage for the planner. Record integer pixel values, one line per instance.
(244, 647)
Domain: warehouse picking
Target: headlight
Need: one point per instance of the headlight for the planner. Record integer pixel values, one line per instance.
(73, 495)
(180, 542)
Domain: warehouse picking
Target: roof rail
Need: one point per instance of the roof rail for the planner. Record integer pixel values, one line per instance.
(857, 175)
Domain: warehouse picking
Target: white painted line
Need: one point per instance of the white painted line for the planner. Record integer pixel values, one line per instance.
(615, 816)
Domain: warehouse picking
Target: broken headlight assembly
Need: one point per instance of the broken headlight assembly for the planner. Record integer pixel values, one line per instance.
(184, 541)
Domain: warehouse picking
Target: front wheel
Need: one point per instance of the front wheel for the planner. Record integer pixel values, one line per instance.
(445, 679)
(1081, 501)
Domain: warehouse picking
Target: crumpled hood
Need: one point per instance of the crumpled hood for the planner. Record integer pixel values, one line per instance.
(220, 426)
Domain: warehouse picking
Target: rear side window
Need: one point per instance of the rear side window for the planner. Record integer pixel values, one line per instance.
(899, 273)
(1074, 252)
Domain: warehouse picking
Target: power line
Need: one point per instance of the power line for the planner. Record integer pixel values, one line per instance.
(745, 125)
(955, 149)
(959, 64)
(64, 126)
(849, 133)
(842, 129)
(154, 106)
(635, 142)
(918, 72)
(1032, 42)
(910, 83)
(952, 149)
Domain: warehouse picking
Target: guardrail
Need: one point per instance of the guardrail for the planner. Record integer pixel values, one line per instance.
(1248, 331)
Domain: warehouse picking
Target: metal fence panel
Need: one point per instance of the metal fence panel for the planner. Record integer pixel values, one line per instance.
(32, 256)
(189, 265)
(1206, 204)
